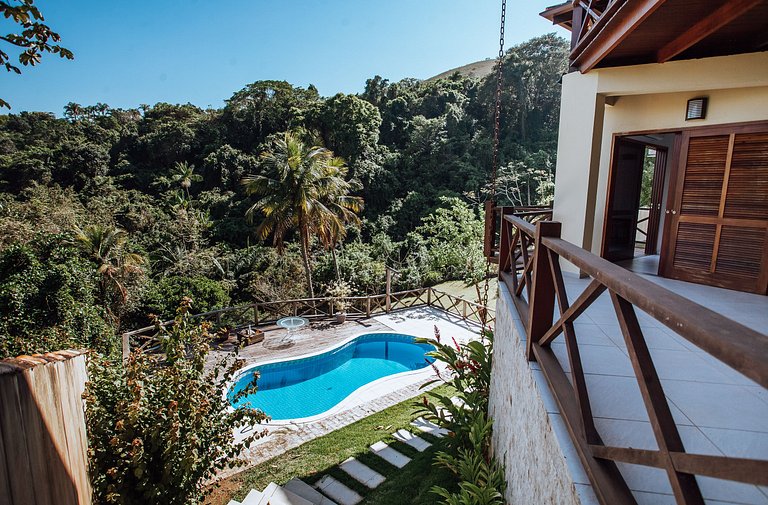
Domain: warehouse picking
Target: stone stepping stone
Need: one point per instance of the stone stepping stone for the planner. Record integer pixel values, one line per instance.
(390, 455)
(275, 495)
(429, 427)
(362, 474)
(252, 498)
(412, 440)
(338, 491)
(459, 402)
(301, 488)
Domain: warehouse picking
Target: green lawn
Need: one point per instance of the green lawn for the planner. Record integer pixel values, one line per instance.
(320, 456)
(460, 289)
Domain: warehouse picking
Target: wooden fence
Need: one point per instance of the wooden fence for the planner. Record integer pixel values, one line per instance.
(529, 264)
(43, 444)
(265, 313)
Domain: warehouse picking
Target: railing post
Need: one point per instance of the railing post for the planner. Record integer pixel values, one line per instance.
(505, 242)
(388, 302)
(542, 302)
(429, 297)
(464, 310)
(368, 306)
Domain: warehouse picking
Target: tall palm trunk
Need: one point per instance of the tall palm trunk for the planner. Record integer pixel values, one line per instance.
(305, 256)
(336, 263)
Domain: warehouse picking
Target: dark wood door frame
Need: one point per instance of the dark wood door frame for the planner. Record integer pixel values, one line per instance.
(657, 181)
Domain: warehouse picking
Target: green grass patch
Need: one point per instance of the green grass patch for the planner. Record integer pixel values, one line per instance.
(313, 459)
(413, 482)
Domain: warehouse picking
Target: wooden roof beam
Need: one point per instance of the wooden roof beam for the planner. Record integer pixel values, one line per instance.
(705, 27)
(617, 22)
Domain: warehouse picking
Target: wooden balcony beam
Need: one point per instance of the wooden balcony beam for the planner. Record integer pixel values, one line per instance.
(705, 27)
(618, 21)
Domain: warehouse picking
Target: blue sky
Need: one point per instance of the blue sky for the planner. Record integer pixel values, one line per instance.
(178, 51)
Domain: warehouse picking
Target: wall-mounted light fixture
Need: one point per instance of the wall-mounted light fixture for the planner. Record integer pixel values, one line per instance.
(697, 108)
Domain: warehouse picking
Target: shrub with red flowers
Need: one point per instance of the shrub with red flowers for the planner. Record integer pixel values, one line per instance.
(159, 427)
(465, 416)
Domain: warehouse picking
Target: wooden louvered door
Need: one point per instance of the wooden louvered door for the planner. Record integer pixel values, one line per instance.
(718, 217)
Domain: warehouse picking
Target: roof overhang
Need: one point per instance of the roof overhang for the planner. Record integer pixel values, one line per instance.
(609, 33)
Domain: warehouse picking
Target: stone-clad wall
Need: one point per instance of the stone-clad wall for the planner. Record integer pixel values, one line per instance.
(523, 438)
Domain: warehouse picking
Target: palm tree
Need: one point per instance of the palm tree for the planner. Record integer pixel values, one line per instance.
(184, 175)
(302, 188)
(106, 246)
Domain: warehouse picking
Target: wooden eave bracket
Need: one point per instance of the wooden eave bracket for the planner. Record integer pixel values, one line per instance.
(617, 22)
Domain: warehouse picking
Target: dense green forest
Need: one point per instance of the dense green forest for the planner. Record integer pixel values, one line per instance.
(109, 215)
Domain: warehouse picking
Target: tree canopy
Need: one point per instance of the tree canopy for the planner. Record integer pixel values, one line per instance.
(164, 183)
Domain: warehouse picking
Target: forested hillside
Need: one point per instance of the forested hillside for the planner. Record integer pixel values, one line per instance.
(109, 215)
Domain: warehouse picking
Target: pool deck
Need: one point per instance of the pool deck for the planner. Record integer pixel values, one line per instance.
(324, 335)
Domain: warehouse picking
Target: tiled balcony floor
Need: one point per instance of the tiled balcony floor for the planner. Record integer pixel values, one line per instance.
(718, 411)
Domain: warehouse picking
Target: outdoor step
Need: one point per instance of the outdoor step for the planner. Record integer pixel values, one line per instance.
(390, 455)
(459, 402)
(338, 491)
(252, 498)
(362, 474)
(412, 440)
(275, 495)
(301, 488)
(429, 427)
(233, 502)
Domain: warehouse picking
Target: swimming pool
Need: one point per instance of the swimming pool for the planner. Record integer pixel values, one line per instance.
(309, 386)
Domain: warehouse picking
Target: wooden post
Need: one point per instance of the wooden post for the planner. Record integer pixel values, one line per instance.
(542, 302)
(368, 306)
(505, 243)
(577, 21)
(429, 297)
(388, 302)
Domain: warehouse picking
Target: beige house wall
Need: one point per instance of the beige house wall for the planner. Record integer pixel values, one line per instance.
(640, 98)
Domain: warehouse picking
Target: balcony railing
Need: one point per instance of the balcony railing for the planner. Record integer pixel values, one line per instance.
(493, 220)
(530, 259)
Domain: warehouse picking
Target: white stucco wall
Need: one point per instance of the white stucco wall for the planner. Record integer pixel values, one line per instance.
(646, 97)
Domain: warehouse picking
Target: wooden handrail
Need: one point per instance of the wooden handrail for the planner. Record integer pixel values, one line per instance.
(736, 345)
(537, 287)
(521, 224)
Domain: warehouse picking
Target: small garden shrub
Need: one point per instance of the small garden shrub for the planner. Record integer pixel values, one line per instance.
(481, 477)
(159, 427)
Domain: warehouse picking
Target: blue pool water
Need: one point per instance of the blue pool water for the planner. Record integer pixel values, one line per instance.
(310, 386)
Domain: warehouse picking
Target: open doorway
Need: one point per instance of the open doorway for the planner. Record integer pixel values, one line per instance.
(637, 188)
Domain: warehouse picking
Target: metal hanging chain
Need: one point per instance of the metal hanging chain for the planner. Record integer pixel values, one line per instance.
(495, 155)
